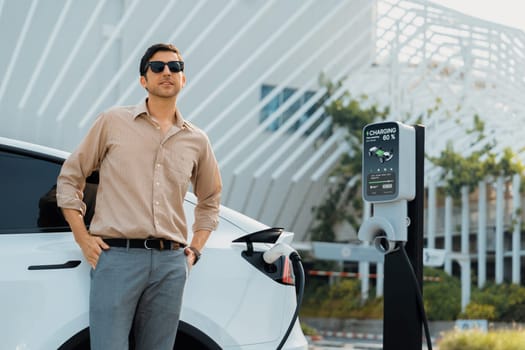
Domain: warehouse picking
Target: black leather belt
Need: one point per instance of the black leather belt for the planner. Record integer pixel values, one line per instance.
(150, 243)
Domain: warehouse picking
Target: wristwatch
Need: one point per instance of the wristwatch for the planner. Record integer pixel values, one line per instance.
(196, 252)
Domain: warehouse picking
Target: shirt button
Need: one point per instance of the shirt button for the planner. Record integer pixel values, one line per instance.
(158, 165)
(158, 184)
(157, 203)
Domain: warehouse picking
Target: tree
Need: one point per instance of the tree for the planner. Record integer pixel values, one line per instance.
(343, 201)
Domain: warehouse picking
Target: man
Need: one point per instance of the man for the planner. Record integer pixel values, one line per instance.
(146, 155)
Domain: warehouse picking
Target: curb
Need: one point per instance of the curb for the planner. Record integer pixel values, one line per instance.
(354, 335)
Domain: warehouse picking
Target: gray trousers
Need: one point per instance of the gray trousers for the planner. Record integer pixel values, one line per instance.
(140, 288)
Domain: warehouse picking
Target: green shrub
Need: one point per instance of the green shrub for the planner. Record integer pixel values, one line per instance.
(476, 340)
(503, 302)
(507, 299)
(308, 330)
(442, 299)
(341, 300)
(372, 309)
(475, 311)
(515, 314)
(313, 298)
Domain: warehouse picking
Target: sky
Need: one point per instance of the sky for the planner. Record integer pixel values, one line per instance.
(507, 12)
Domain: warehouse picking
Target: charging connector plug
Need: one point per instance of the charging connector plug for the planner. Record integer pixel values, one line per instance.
(278, 250)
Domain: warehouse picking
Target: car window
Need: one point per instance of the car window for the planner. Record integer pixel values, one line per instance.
(28, 194)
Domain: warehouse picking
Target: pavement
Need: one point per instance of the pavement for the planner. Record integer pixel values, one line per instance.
(342, 344)
(322, 344)
(345, 347)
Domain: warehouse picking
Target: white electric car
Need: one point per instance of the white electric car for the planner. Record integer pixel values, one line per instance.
(233, 300)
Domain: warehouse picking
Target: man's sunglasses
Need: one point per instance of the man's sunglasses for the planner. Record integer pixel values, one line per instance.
(158, 66)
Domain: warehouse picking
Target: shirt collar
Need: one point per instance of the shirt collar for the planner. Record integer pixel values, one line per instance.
(142, 109)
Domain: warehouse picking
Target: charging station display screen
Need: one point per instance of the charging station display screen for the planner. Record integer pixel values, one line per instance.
(380, 161)
(381, 184)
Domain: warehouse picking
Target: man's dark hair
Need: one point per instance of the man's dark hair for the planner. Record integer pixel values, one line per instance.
(153, 50)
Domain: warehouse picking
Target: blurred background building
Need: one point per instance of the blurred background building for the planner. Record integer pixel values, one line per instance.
(253, 84)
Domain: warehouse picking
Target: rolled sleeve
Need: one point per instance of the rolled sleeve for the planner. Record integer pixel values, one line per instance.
(68, 197)
(207, 186)
(79, 165)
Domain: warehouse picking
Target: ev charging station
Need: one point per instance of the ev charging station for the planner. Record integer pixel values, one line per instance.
(392, 173)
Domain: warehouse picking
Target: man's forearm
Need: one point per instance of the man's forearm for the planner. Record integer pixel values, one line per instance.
(76, 223)
(199, 239)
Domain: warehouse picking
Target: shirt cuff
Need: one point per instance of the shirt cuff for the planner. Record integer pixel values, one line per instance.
(206, 226)
(72, 203)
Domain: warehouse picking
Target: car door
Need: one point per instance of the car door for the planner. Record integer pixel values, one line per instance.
(43, 277)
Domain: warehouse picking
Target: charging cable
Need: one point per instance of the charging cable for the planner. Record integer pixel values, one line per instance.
(270, 256)
(419, 297)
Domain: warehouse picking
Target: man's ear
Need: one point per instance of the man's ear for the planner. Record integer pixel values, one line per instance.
(143, 82)
(183, 80)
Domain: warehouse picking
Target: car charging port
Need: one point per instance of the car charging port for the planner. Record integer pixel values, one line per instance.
(270, 268)
(281, 270)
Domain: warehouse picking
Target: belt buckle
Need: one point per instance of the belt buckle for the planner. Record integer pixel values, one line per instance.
(146, 243)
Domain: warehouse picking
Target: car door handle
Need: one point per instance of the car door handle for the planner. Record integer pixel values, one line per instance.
(71, 264)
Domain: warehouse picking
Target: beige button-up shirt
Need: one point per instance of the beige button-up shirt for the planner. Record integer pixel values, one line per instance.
(144, 176)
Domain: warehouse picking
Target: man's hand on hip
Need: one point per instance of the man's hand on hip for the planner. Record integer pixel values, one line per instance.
(92, 247)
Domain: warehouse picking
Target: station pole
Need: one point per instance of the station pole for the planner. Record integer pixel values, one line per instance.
(402, 321)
